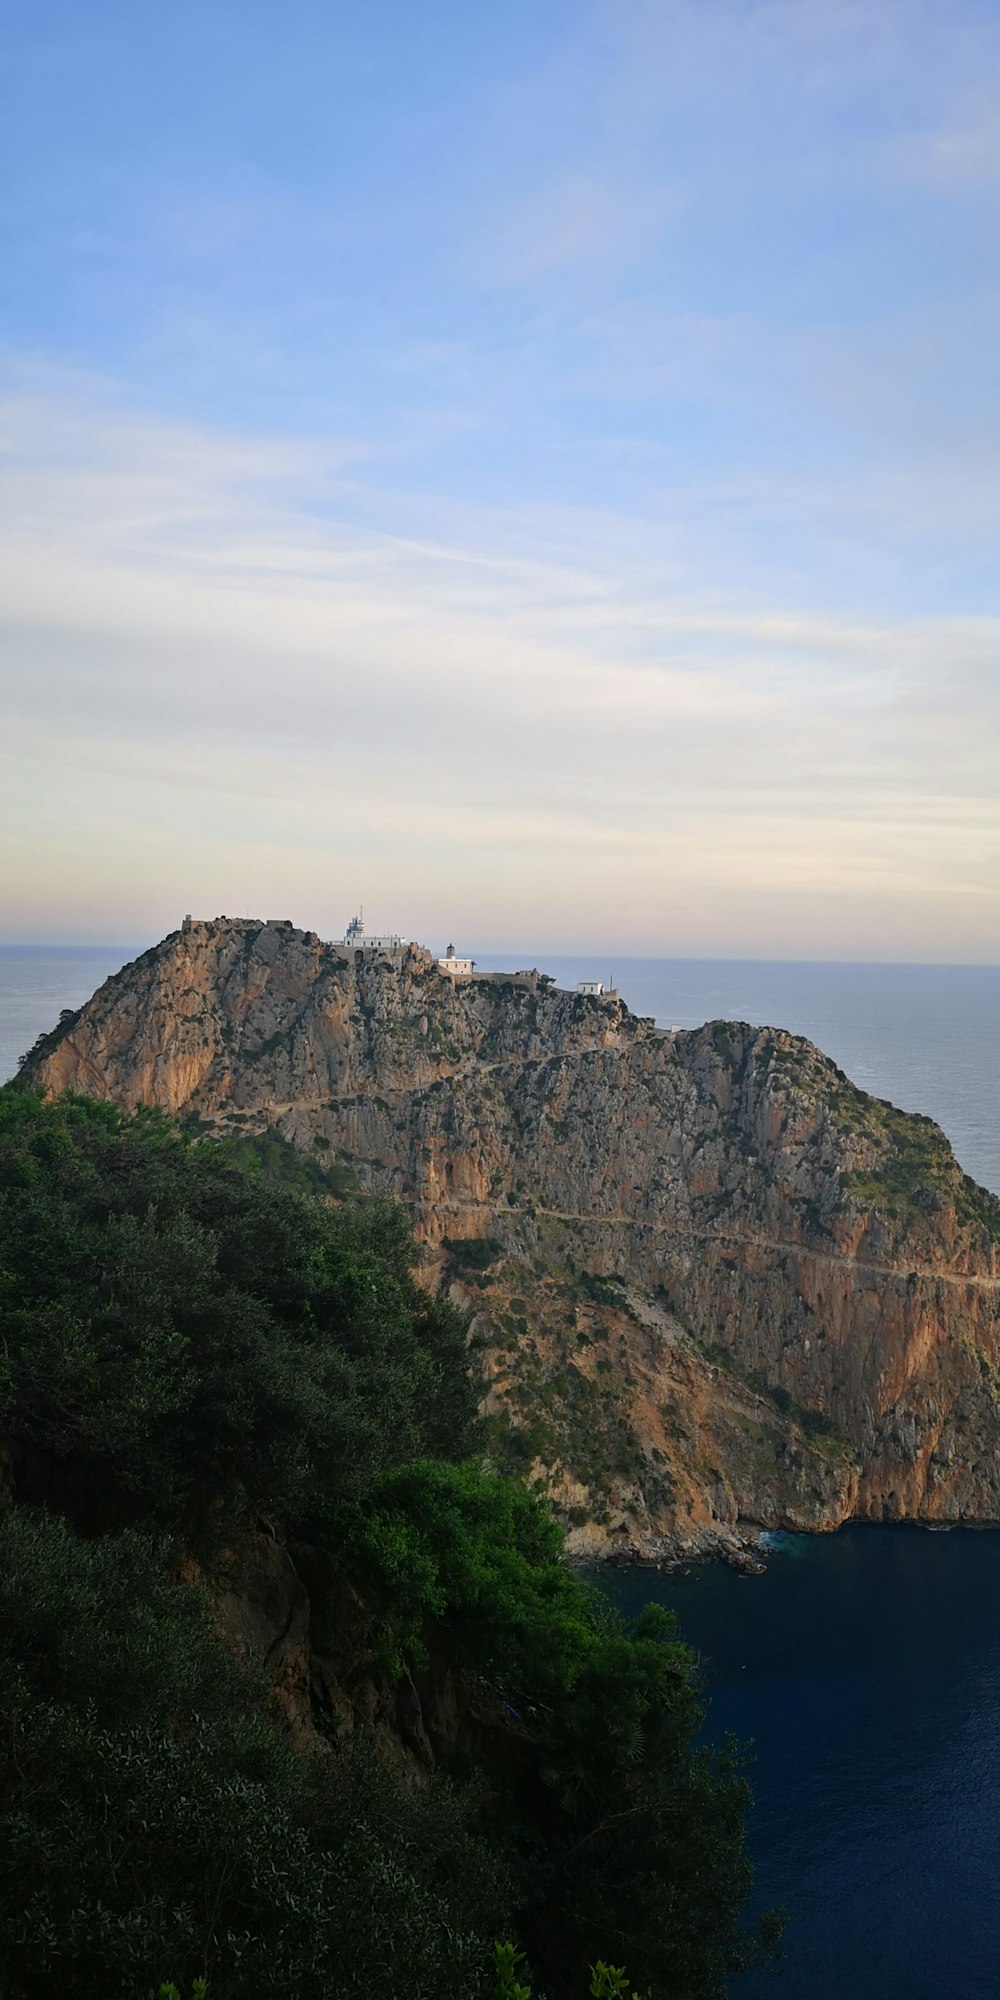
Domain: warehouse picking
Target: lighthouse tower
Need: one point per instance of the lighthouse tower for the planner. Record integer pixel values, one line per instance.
(455, 967)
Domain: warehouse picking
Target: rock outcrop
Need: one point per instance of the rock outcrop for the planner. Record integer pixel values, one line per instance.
(711, 1283)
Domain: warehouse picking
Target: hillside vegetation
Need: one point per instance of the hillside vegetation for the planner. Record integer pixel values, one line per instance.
(196, 1362)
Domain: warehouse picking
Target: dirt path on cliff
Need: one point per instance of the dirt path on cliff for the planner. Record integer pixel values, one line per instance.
(835, 1259)
(839, 1259)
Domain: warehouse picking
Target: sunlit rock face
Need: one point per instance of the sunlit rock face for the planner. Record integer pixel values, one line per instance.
(711, 1284)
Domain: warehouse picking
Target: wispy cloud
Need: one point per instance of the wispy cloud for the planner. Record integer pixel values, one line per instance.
(545, 477)
(223, 677)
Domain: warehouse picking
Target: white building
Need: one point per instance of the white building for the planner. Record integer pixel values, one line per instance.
(593, 986)
(355, 938)
(455, 967)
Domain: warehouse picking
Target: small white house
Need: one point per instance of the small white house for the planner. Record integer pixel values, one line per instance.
(595, 987)
(455, 967)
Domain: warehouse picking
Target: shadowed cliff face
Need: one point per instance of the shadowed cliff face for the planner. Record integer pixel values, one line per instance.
(711, 1282)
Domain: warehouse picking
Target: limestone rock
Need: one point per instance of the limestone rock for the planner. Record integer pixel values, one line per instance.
(713, 1285)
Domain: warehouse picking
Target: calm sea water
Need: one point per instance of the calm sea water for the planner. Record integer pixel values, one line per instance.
(37, 982)
(865, 1665)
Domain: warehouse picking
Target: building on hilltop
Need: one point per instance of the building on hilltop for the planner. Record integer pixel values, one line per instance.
(355, 938)
(455, 967)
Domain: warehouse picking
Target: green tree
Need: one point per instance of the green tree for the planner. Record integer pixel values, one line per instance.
(154, 1824)
(182, 1336)
(188, 1347)
(631, 1836)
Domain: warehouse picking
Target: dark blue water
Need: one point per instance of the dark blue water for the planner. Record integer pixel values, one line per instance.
(866, 1667)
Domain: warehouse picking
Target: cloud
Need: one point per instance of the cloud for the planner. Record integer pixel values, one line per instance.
(221, 680)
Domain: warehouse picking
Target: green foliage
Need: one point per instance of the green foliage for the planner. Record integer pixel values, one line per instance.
(915, 1172)
(605, 1290)
(566, 1417)
(190, 1346)
(635, 1836)
(507, 1964)
(153, 1820)
(474, 1253)
(607, 1982)
(440, 1541)
(181, 1333)
(285, 1163)
(814, 1424)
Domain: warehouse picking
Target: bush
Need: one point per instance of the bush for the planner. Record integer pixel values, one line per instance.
(474, 1253)
(188, 1347)
(607, 1982)
(632, 1836)
(183, 1336)
(436, 1541)
(155, 1826)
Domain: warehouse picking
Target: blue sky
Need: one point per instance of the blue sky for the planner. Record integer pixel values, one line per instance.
(535, 470)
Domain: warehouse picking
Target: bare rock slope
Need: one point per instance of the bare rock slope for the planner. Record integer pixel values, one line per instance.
(712, 1283)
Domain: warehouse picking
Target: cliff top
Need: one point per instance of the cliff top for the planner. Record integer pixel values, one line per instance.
(244, 1023)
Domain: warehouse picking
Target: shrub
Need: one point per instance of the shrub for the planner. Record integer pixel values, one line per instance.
(153, 1822)
(182, 1335)
(189, 1346)
(633, 1835)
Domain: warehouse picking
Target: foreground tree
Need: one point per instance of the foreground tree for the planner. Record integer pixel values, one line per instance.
(188, 1349)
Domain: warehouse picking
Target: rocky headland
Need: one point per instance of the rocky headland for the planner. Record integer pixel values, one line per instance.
(712, 1286)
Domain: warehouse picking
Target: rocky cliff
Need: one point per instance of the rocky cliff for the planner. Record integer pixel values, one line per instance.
(711, 1283)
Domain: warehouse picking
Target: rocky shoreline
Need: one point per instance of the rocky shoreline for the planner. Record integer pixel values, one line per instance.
(675, 1554)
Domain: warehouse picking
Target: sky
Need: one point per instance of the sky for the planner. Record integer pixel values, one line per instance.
(531, 470)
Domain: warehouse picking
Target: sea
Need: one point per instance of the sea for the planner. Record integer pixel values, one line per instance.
(863, 1667)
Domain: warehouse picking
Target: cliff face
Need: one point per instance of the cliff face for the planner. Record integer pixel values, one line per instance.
(711, 1282)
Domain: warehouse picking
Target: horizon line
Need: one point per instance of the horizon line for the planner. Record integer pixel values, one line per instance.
(134, 948)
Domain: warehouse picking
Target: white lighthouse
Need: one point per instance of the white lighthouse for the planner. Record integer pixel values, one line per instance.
(454, 967)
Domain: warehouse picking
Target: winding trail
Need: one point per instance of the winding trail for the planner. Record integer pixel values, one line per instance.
(837, 1259)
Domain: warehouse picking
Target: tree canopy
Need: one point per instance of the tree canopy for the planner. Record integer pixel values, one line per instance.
(189, 1348)
(188, 1336)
